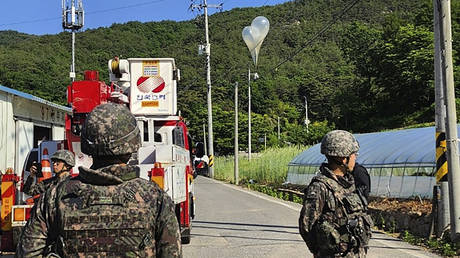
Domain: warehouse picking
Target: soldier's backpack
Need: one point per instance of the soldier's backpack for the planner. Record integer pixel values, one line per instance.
(347, 224)
(104, 220)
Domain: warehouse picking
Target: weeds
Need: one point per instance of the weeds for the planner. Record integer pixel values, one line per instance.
(267, 167)
(442, 246)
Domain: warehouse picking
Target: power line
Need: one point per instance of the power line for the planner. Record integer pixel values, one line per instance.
(31, 21)
(324, 29)
(86, 13)
(127, 6)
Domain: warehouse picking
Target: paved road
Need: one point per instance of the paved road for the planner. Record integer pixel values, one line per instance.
(234, 222)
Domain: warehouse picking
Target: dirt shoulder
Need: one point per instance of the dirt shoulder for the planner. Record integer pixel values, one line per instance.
(407, 206)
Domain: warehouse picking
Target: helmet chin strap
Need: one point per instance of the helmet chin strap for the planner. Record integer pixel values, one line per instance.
(65, 168)
(346, 165)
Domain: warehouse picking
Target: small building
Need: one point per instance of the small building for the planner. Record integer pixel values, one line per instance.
(401, 163)
(25, 121)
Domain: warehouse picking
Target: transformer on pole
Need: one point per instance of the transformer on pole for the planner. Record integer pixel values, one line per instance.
(72, 19)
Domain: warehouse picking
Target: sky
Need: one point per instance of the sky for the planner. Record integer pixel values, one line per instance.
(41, 17)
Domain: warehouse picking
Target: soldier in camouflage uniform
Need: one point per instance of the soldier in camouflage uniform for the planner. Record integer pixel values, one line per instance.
(107, 210)
(333, 221)
(63, 162)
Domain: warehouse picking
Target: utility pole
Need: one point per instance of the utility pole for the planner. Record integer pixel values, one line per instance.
(72, 19)
(249, 113)
(235, 169)
(256, 76)
(451, 119)
(205, 6)
(443, 213)
(204, 140)
(279, 131)
(307, 122)
(265, 141)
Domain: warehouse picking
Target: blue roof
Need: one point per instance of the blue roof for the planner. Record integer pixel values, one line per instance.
(410, 147)
(33, 98)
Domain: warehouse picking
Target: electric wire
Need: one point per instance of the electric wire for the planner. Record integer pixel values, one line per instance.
(317, 35)
(86, 13)
(126, 7)
(31, 21)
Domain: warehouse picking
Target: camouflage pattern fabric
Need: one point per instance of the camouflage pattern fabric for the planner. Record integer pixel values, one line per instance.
(333, 221)
(31, 188)
(67, 156)
(110, 130)
(104, 212)
(339, 143)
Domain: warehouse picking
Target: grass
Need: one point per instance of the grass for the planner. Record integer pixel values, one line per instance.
(442, 246)
(268, 167)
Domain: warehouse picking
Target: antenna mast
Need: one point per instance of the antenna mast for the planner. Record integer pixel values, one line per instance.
(72, 19)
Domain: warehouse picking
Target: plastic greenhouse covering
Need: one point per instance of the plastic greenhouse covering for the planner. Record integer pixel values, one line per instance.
(401, 163)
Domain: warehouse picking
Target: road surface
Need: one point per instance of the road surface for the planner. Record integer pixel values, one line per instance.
(234, 222)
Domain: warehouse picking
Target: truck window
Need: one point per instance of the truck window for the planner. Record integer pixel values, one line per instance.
(157, 137)
(178, 137)
(146, 131)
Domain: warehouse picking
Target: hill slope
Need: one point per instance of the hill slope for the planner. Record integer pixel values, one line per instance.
(371, 70)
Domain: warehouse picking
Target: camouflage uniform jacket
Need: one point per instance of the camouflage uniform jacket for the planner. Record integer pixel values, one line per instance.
(31, 188)
(104, 212)
(324, 219)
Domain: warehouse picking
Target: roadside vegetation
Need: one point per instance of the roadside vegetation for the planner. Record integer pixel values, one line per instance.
(443, 246)
(267, 168)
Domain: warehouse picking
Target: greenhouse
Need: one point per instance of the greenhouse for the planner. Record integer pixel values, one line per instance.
(401, 163)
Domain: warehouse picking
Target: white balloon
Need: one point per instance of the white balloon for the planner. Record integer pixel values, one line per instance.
(248, 37)
(255, 34)
(262, 25)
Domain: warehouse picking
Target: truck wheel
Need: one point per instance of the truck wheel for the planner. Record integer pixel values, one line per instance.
(185, 238)
(192, 208)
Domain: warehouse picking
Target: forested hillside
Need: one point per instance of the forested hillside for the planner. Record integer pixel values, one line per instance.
(371, 70)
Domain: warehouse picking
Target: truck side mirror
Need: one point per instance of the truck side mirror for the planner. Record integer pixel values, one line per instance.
(177, 74)
(199, 149)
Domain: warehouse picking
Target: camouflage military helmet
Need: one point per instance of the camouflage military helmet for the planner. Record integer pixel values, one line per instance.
(110, 130)
(339, 143)
(64, 155)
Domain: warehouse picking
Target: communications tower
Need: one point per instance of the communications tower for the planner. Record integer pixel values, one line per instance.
(72, 19)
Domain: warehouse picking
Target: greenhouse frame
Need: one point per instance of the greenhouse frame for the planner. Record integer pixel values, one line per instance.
(401, 163)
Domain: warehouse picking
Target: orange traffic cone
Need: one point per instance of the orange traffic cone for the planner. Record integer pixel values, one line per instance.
(46, 166)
